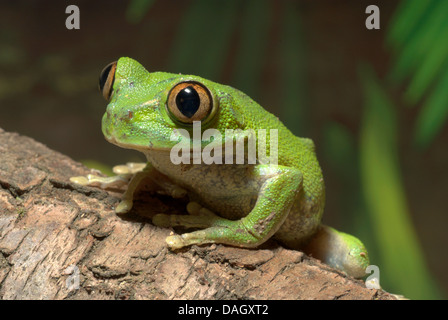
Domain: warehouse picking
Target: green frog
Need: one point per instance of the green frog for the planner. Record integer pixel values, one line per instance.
(238, 196)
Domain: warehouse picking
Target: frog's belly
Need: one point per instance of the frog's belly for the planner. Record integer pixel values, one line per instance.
(228, 190)
(231, 197)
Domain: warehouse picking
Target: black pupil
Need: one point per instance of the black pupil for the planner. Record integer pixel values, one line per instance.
(188, 101)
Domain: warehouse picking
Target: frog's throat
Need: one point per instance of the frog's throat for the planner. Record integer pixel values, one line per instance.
(143, 148)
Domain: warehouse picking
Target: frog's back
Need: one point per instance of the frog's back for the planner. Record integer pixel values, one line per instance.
(293, 151)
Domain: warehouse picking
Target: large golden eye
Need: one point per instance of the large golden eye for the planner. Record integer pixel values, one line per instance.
(190, 101)
(107, 78)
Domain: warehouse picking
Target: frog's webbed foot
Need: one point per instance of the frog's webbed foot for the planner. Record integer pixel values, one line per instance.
(123, 173)
(132, 174)
(129, 174)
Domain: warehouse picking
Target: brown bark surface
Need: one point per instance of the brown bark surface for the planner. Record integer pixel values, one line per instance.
(53, 232)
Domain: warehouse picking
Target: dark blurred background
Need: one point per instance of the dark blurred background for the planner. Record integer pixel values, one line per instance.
(374, 101)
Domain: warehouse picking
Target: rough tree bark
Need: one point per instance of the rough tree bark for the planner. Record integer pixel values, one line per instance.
(53, 233)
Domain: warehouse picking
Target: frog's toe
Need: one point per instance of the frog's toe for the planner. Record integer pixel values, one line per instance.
(81, 180)
(187, 239)
(196, 209)
(175, 242)
(129, 168)
(178, 192)
(124, 206)
(92, 180)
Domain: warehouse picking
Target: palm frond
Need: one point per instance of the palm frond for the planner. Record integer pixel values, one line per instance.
(418, 39)
(401, 253)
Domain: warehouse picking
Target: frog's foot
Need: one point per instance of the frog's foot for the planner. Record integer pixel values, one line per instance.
(199, 217)
(129, 174)
(129, 168)
(92, 180)
(132, 174)
(339, 250)
(123, 173)
(216, 228)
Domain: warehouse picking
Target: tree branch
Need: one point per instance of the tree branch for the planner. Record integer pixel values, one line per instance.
(63, 241)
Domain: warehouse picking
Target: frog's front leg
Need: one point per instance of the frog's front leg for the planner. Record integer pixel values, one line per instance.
(276, 197)
(131, 174)
(127, 200)
(161, 184)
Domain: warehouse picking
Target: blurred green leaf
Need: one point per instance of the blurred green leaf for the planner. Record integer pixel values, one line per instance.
(341, 151)
(434, 113)
(137, 9)
(293, 71)
(427, 35)
(406, 21)
(252, 47)
(430, 67)
(403, 265)
(203, 39)
(418, 37)
(339, 146)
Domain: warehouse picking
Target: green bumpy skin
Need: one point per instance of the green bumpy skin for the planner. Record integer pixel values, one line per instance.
(236, 204)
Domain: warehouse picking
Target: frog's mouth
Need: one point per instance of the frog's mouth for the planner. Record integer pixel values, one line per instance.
(150, 147)
(119, 131)
(123, 143)
(112, 139)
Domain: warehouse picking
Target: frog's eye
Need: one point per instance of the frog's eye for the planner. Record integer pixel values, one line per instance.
(190, 101)
(107, 78)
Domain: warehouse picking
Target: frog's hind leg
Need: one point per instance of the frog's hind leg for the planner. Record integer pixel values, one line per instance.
(339, 250)
(283, 184)
(215, 228)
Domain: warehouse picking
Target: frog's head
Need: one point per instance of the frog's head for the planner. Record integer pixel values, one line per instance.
(145, 108)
